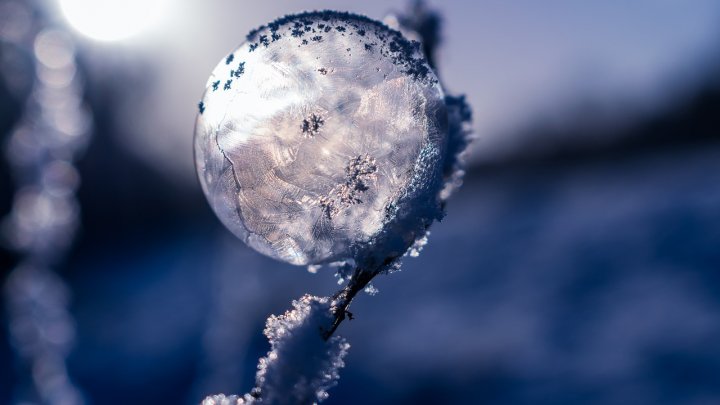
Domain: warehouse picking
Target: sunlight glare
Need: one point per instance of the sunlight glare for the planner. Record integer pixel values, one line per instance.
(112, 20)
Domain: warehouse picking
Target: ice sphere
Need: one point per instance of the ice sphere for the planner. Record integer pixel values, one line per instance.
(321, 138)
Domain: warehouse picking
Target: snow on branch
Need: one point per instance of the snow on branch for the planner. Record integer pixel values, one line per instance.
(301, 364)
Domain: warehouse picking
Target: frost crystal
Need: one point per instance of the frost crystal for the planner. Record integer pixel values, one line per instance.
(221, 399)
(326, 141)
(343, 269)
(418, 246)
(359, 172)
(460, 134)
(371, 289)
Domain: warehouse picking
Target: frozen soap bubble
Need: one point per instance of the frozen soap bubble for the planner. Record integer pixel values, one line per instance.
(321, 138)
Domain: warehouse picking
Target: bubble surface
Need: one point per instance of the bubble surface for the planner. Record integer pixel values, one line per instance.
(321, 138)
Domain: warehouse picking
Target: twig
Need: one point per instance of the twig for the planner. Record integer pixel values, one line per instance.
(342, 299)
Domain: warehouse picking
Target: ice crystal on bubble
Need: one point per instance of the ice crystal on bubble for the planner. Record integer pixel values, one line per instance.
(328, 149)
(359, 172)
(311, 126)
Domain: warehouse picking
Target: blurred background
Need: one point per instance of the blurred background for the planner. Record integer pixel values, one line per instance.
(579, 263)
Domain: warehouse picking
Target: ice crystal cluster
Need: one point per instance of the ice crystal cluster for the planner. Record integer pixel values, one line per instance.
(301, 366)
(322, 138)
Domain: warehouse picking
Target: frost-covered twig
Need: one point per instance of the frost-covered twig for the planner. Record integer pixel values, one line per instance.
(302, 363)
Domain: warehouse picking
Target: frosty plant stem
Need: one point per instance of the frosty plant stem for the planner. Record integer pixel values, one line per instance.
(342, 299)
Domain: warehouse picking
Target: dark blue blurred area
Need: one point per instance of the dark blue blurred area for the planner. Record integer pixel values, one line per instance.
(564, 273)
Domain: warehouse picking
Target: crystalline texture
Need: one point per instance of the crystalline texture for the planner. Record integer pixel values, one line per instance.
(221, 399)
(301, 366)
(321, 138)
